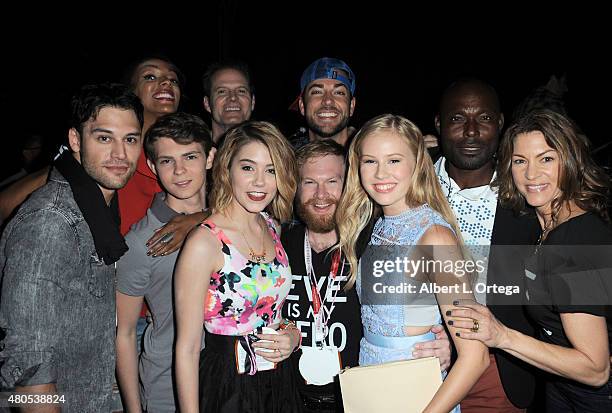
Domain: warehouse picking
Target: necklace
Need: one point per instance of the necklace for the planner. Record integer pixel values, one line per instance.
(258, 258)
(542, 236)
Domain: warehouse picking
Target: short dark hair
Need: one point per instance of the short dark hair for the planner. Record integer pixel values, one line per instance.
(318, 149)
(90, 99)
(215, 67)
(469, 81)
(182, 128)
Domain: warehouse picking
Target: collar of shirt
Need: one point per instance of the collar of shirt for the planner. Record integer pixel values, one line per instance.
(161, 210)
(450, 187)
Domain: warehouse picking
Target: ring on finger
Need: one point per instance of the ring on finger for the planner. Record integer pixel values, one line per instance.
(475, 327)
(166, 238)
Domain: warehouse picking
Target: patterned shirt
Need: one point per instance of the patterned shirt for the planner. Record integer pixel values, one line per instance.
(474, 209)
(245, 295)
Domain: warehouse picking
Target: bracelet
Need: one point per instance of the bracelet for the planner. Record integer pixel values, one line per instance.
(285, 324)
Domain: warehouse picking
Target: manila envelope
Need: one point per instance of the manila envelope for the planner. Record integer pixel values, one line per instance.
(401, 386)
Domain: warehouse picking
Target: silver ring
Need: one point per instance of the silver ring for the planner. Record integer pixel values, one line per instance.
(166, 238)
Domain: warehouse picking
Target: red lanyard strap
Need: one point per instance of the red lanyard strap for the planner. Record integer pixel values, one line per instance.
(317, 302)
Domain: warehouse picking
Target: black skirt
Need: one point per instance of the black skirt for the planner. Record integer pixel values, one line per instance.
(223, 390)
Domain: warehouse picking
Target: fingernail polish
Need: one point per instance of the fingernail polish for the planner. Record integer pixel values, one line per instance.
(456, 302)
(457, 334)
(450, 322)
(448, 313)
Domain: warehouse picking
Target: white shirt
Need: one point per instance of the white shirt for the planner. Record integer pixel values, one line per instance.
(474, 209)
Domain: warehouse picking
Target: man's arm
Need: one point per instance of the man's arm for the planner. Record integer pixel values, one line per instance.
(40, 254)
(133, 278)
(440, 347)
(128, 312)
(17, 192)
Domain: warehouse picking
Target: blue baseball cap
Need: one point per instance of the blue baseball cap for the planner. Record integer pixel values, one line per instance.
(329, 68)
(326, 68)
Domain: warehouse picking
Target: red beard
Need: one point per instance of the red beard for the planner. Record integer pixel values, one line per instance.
(317, 222)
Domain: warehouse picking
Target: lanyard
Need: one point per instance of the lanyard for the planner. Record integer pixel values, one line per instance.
(317, 302)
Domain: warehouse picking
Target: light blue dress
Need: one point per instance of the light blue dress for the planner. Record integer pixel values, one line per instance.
(383, 322)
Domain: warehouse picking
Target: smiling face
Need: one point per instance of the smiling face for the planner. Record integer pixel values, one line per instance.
(469, 124)
(156, 83)
(386, 166)
(327, 106)
(535, 170)
(181, 170)
(108, 148)
(231, 100)
(253, 177)
(319, 190)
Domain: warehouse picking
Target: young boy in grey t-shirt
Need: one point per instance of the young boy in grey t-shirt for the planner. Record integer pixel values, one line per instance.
(179, 151)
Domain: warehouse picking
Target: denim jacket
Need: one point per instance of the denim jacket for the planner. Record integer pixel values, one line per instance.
(57, 305)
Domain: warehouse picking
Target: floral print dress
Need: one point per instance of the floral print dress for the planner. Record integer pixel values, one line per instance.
(245, 295)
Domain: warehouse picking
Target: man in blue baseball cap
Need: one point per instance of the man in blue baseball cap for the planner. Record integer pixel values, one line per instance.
(327, 100)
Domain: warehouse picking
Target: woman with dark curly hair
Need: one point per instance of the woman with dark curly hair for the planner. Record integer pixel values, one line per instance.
(545, 161)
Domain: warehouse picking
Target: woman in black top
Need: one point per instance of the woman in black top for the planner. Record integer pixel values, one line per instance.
(544, 161)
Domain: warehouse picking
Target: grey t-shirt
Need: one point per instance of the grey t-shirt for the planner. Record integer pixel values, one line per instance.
(141, 275)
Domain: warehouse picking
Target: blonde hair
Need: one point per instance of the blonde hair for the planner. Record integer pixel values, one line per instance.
(283, 160)
(356, 207)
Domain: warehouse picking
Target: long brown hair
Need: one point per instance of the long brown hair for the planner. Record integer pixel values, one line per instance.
(581, 180)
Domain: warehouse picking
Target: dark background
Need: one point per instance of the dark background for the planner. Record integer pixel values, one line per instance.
(402, 57)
